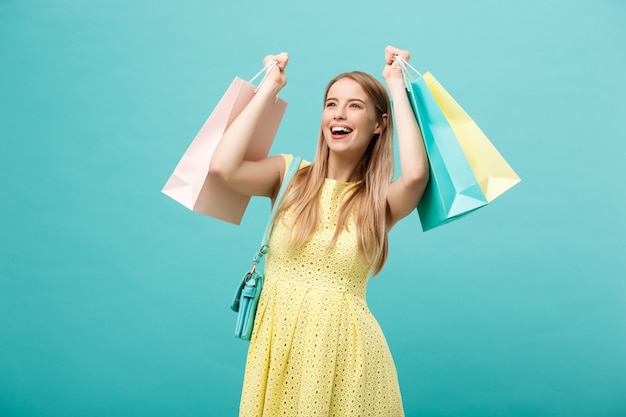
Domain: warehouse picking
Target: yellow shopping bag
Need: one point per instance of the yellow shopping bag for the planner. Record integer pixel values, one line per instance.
(493, 173)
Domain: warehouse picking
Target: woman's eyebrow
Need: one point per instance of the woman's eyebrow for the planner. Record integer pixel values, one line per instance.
(350, 99)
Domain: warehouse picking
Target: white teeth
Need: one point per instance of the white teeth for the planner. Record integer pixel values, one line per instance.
(340, 130)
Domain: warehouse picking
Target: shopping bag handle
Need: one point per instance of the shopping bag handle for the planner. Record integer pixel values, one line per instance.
(266, 69)
(406, 71)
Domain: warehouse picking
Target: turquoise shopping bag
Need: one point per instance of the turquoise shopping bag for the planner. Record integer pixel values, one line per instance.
(452, 190)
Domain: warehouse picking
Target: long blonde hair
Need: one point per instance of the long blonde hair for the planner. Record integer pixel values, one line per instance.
(368, 197)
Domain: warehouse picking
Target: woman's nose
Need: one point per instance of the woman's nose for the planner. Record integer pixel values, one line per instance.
(339, 113)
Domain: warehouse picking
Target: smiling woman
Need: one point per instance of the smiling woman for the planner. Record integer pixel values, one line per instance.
(114, 299)
(349, 121)
(316, 349)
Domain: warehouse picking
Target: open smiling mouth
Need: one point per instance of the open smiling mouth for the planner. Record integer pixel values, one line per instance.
(340, 131)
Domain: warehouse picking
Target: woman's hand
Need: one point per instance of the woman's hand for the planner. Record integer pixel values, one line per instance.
(276, 76)
(405, 193)
(392, 71)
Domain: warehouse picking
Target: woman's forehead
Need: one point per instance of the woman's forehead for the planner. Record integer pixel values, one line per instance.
(346, 88)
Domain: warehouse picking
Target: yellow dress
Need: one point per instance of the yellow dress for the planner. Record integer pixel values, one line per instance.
(316, 349)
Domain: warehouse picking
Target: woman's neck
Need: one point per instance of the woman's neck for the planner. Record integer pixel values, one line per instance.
(343, 169)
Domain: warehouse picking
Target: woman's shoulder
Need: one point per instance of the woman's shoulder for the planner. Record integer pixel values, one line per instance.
(290, 157)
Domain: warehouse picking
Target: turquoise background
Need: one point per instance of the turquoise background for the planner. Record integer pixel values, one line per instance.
(114, 299)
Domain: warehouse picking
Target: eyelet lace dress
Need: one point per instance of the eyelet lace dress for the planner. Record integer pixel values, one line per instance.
(316, 349)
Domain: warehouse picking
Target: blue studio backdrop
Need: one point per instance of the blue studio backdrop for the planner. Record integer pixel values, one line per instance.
(114, 299)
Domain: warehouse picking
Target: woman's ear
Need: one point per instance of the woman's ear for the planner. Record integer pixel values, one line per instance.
(377, 127)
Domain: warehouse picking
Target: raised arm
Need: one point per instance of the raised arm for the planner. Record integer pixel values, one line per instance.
(252, 177)
(405, 193)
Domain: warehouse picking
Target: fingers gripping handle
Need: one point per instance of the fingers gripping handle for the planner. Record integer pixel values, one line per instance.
(269, 67)
(408, 71)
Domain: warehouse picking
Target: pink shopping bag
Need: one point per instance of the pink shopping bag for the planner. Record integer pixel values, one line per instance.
(190, 183)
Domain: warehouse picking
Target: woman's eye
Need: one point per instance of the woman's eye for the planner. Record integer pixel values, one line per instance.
(330, 104)
(355, 105)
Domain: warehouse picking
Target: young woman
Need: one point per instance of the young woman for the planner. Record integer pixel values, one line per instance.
(316, 350)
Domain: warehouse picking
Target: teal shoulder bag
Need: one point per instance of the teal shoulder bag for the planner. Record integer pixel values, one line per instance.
(249, 291)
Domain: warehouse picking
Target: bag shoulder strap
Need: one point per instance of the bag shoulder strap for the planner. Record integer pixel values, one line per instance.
(291, 171)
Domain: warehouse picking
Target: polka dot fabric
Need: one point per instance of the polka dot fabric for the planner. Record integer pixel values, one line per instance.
(316, 349)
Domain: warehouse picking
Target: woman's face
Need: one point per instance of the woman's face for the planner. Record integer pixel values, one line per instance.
(349, 118)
